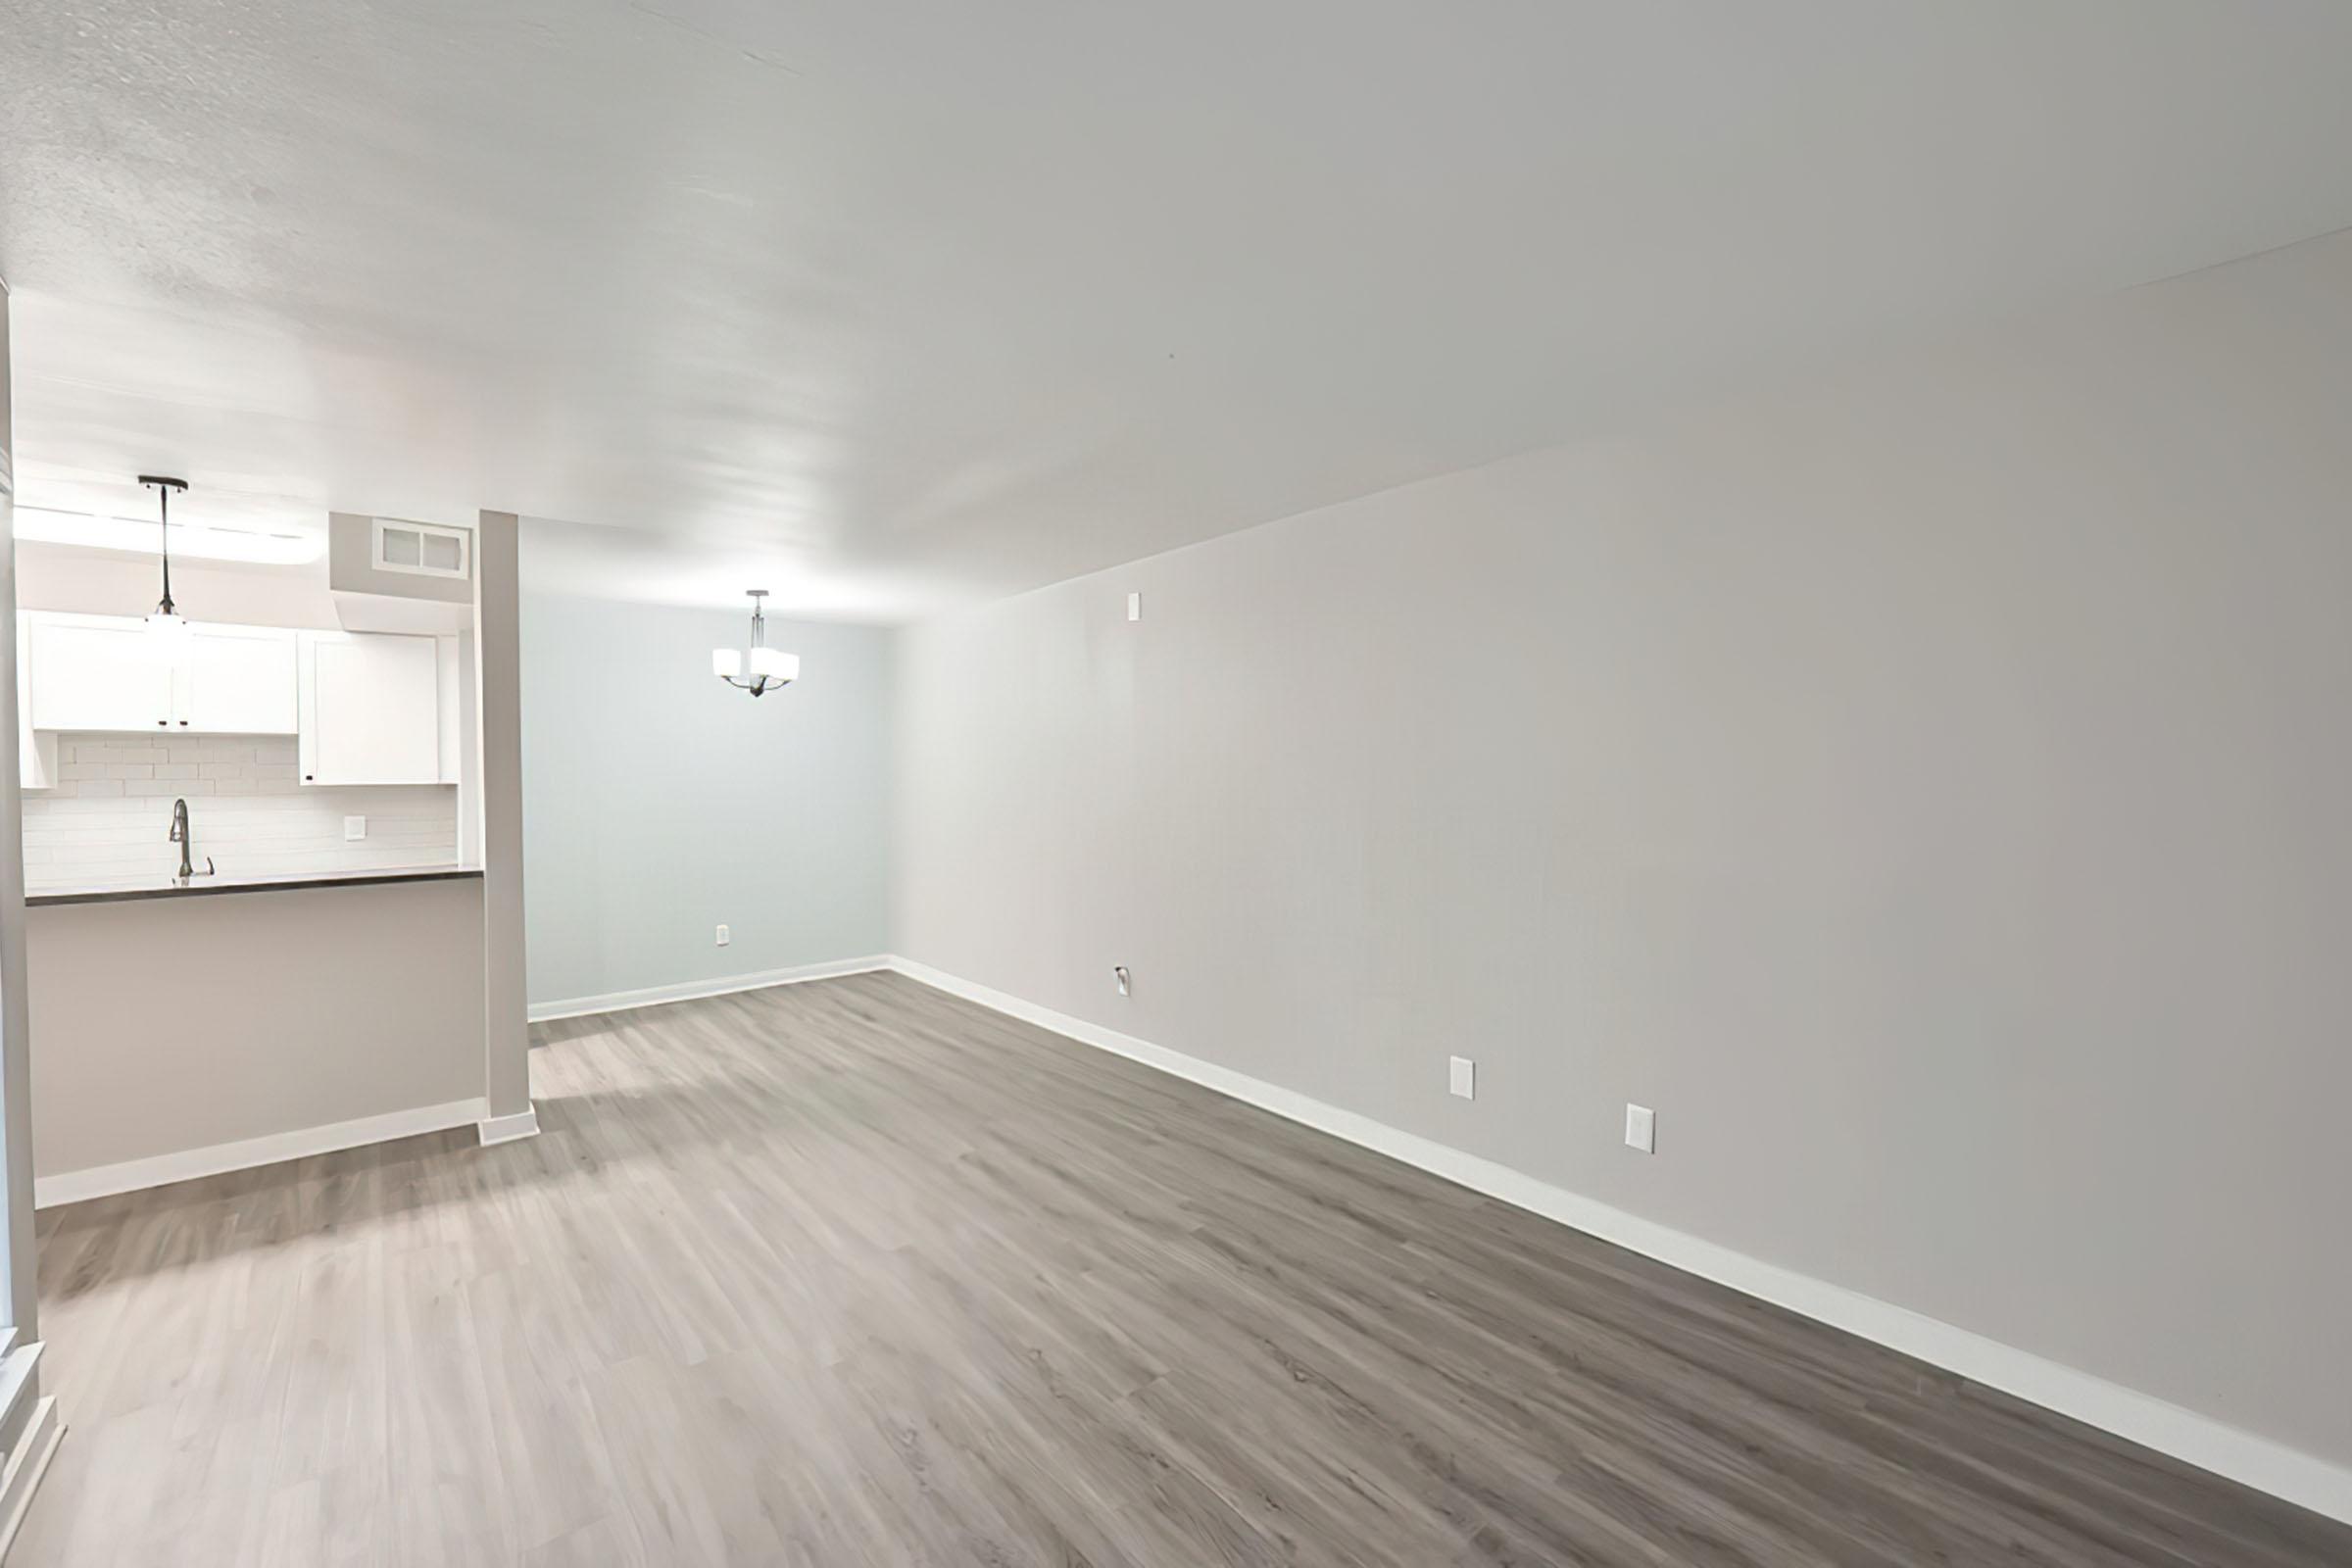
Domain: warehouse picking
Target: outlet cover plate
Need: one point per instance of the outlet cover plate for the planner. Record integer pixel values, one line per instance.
(1462, 1077)
(1642, 1129)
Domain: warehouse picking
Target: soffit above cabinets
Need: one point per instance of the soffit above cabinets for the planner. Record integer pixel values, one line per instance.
(400, 575)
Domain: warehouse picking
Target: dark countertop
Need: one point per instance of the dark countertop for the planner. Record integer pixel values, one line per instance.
(168, 887)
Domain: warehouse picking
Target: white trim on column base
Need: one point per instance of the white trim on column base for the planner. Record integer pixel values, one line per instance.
(523, 1123)
(130, 1175)
(694, 990)
(2259, 1462)
(27, 1464)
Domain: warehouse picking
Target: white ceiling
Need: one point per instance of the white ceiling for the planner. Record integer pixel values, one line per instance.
(890, 302)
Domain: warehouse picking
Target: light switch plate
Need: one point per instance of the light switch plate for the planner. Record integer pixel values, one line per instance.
(1134, 607)
(354, 827)
(725, 936)
(1642, 1129)
(1463, 1077)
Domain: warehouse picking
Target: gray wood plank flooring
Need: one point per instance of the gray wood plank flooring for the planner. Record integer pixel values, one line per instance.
(853, 1272)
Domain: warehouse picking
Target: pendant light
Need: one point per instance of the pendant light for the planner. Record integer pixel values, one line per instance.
(769, 667)
(165, 625)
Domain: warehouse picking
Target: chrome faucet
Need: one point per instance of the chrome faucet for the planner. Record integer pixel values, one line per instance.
(179, 836)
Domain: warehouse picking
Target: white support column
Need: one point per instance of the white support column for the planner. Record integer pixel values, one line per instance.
(497, 663)
(29, 1428)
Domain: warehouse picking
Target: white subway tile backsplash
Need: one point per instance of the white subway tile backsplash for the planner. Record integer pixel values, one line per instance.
(248, 810)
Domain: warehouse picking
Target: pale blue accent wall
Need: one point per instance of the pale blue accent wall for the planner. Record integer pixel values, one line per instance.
(658, 802)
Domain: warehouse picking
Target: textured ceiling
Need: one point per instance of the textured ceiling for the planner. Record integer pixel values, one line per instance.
(898, 302)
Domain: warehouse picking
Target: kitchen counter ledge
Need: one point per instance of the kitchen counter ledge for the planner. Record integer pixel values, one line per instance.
(169, 887)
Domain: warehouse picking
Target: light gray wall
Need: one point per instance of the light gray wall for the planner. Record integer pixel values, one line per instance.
(164, 1025)
(1928, 789)
(661, 803)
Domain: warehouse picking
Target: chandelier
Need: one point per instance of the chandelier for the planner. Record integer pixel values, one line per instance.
(769, 667)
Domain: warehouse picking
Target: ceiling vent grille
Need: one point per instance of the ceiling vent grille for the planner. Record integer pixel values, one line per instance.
(420, 549)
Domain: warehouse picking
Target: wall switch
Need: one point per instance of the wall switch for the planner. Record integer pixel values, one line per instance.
(1134, 607)
(1118, 974)
(1463, 1073)
(724, 936)
(1642, 1129)
(354, 827)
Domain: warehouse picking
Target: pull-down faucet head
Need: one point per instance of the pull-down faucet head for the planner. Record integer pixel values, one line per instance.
(179, 836)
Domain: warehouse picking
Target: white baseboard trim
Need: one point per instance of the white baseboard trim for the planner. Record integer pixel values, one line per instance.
(2209, 1444)
(27, 1464)
(103, 1181)
(691, 990)
(506, 1129)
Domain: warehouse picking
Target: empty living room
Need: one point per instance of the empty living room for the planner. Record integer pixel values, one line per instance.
(1352, 785)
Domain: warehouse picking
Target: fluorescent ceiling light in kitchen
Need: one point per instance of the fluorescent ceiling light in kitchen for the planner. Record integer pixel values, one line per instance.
(194, 541)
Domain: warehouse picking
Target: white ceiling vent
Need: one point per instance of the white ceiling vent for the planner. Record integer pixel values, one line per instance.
(420, 549)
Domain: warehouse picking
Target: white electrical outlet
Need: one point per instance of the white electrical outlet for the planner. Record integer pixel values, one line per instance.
(1642, 1129)
(1463, 1079)
(354, 827)
(1118, 974)
(724, 936)
(1134, 607)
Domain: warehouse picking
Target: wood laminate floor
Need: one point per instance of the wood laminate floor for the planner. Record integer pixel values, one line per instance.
(852, 1272)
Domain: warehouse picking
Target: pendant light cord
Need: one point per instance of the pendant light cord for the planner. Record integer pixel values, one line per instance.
(164, 493)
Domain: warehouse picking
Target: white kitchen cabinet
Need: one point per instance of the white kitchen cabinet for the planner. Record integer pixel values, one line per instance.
(98, 672)
(236, 680)
(369, 709)
(106, 672)
(36, 750)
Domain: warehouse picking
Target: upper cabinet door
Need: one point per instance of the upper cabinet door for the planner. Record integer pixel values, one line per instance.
(371, 709)
(36, 750)
(238, 680)
(98, 672)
